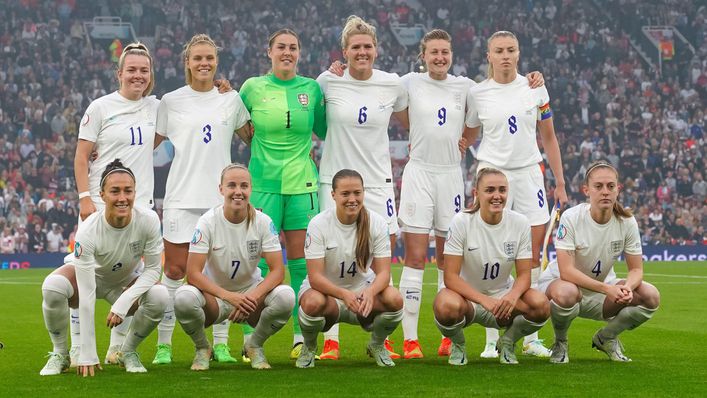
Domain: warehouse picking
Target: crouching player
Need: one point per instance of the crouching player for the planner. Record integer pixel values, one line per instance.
(107, 263)
(223, 274)
(484, 243)
(582, 282)
(348, 272)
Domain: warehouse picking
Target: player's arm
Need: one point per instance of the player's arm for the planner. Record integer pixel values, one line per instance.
(508, 302)
(86, 282)
(148, 278)
(403, 118)
(81, 159)
(552, 149)
(246, 132)
(320, 283)
(275, 276)
(158, 140)
(635, 270)
(568, 272)
(195, 267)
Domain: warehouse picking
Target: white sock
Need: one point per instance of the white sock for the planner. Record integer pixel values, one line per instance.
(166, 326)
(220, 331)
(440, 279)
(454, 332)
(411, 290)
(75, 327)
(189, 307)
(534, 276)
(311, 326)
(491, 335)
(562, 318)
(521, 327)
(278, 310)
(56, 292)
(331, 334)
(384, 324)
(150, 310)
(118, 333)
(628, 318)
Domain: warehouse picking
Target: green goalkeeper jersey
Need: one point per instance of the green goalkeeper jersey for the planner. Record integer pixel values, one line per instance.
(284, 114)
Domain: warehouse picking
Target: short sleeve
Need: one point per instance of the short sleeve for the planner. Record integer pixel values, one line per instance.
(269, 238)
(162, 118)
(314, 242)
(472, 114)
(320, 126)
(456, 236)
(245, 93)
(380, 237)
(565, 237)
(525, 249)
(91, 123)
(201, 240)
(632, 240)
(241, 114)
(543, 101)
(401, 101)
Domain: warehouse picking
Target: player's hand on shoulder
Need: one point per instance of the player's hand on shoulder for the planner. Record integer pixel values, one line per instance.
(223, 85)
(337, 68)
(86, 207)
(535, 79)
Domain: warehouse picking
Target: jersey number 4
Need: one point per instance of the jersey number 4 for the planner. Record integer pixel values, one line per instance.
(351, 270)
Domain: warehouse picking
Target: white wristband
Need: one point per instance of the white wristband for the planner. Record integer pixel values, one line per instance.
(84, 194)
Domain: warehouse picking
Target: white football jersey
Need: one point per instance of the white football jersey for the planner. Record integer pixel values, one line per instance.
(509, 114)
(358, 113)
(489, 251)
(335, 242)
(122, 129)
(200, 126)
(596, 246)
(234, 249)
(106, 258)
(437, 109)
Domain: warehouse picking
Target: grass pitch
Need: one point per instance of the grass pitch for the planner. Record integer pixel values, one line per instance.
(669, 355)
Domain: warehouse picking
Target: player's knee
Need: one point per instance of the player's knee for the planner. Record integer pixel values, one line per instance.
(392, 299)
(448, 310)
(156, 299)
(283, 299)
(187, 299)
(313, 303)
(56, 289)
(564, 294)
(175, 271)
(650, 295)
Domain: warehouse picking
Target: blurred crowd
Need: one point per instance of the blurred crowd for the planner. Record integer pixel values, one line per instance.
(607, 102)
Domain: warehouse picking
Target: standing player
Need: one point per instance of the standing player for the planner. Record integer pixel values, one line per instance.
(510, 112)
(120, 125)
(432, 187)
(484, 244)
(359, 106)
(582, 282)
(107, 263)
(285, 109)
(348, 267)
(200, 123)
(224, 279)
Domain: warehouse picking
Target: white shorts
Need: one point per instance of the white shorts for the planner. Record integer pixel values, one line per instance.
(345, 315)
(526, 192)
(178, 224)
(379, 200)
(430, 196)
(592, 304)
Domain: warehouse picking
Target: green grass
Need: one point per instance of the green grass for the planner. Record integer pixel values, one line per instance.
(669, 356)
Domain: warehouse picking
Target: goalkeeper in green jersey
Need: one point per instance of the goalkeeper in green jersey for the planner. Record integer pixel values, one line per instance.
(285, 109)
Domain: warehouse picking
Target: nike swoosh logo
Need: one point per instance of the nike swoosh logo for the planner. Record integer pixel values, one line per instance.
(411, 291)
(330, 248)
(218, 248)
(471, 249)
